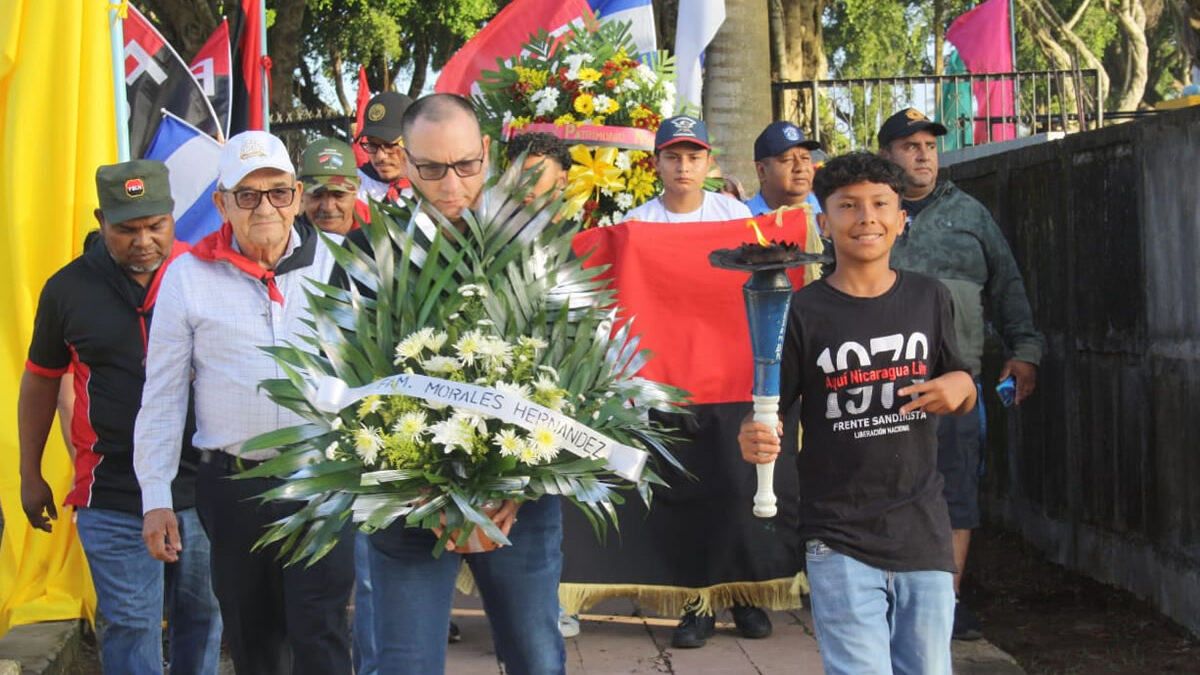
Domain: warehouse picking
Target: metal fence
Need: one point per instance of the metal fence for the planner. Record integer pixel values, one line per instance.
(300, 127)
(846, 114)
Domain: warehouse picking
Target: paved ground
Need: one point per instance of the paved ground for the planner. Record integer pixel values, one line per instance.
(612, 641)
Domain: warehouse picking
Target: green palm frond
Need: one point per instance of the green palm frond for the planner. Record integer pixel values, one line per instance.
(411, 276)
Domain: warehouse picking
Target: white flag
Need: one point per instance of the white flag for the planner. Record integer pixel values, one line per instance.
(698, 23)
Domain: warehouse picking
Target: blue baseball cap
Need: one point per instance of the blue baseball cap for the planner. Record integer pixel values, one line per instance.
(779, 137)
(681, 129)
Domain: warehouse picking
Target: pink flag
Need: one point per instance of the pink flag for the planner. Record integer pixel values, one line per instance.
(983, 37)
(502, 38)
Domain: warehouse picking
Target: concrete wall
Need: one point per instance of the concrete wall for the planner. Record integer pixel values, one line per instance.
(1101, 468)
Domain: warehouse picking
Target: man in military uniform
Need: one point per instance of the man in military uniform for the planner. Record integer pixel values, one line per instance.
(331, 186)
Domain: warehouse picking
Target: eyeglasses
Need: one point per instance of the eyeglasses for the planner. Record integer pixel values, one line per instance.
(371, 147)
(437, 170)
(250, 199)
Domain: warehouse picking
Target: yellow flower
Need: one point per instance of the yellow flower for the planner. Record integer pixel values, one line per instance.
(564, 120)
(536, 79)
(640, 184)
(590, 174)
(639, 112)
(584, 105)
(518, 122)
(588, 75)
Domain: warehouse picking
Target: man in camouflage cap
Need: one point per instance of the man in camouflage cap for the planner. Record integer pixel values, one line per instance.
(331, 186)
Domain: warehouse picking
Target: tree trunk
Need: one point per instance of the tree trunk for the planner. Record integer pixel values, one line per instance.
(737, 87)
(1041, 12)
(779, 69)
(283, 46)
(339, 87)
(420, 64)
(939, 37)
(805, 45)
(1131, 17)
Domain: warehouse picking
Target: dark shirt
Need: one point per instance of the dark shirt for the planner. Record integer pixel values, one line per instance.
(92, 321)
(869, 483)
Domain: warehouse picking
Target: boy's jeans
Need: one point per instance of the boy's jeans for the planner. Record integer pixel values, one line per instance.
(874, 622)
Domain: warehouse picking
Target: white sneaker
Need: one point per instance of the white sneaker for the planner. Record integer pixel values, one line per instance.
(568, 624)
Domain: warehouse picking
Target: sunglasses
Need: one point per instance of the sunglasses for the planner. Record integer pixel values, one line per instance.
(250, 199)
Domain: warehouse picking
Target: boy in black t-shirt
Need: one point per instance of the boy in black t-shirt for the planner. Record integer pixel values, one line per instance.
(870, 354)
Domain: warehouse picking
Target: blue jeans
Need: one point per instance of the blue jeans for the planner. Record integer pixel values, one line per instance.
(193, 616)
(518, 583)
(366, 661)
(129, 591)
(874, 622)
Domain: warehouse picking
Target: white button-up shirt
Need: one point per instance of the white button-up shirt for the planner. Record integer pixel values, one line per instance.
(212, 319)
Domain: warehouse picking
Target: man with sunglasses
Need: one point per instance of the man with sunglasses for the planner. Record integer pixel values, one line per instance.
(446, 158)
(242, 288)
(382, 177)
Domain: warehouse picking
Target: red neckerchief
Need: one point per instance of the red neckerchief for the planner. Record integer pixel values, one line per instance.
(177, 249)
(394, 189)
(219, 246)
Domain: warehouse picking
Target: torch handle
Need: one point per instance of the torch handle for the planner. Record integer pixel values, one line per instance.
(766, 411)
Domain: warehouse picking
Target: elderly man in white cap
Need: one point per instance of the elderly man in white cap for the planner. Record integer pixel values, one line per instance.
(241, 289)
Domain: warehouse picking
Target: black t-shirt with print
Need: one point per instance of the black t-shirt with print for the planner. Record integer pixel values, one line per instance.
(869, 483)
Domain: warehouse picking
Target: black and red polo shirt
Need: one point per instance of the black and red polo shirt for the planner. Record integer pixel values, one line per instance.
(92, 321)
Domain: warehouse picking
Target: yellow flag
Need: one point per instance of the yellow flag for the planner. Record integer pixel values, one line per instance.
(56, 126)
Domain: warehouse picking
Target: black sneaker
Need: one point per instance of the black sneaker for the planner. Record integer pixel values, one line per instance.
(455, 634)
(966, 624)
(693, 630)
(751, 622)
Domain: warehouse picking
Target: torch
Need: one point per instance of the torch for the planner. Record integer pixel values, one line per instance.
(768, 295)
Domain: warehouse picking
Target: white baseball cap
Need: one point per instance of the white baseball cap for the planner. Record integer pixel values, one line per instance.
(250, 151)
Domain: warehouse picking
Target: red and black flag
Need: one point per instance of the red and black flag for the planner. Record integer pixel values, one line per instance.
(211, 68)
(157, 79)
(699, 539)
(251, 64)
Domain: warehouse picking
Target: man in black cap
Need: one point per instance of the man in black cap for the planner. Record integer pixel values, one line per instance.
(383, 177)
(953, 237)
(784, 163)
(92, 321)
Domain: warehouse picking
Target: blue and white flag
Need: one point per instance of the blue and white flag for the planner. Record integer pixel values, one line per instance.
(191, 157)
(640, 13)
(698, 23)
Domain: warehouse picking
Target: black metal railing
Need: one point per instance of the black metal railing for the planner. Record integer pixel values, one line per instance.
(845, 114)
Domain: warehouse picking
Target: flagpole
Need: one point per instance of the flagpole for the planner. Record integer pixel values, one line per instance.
(116, 43)
(1012, 32)
(266, 76)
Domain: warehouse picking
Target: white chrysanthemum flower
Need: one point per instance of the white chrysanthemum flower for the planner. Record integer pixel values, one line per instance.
(472, 290)
(508, 442)
(514, 390)
(508, 117)
(411, 425)
(409, 348)
(441, 365)
(606, 192)
(367, 442)
(625, 201)
(602, 103)
(535, 342)
(468, 346)
(543, 441)
(545, 383)
(495, 353)
(331, 450)
(604, 221)
(369, 405)
(452, 433)
(435, 340)
(623, 162)
(645, 73)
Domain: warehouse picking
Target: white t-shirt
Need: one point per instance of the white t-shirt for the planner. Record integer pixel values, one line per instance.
(715, 207)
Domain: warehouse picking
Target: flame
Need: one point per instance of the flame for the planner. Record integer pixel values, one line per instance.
(753, 224)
